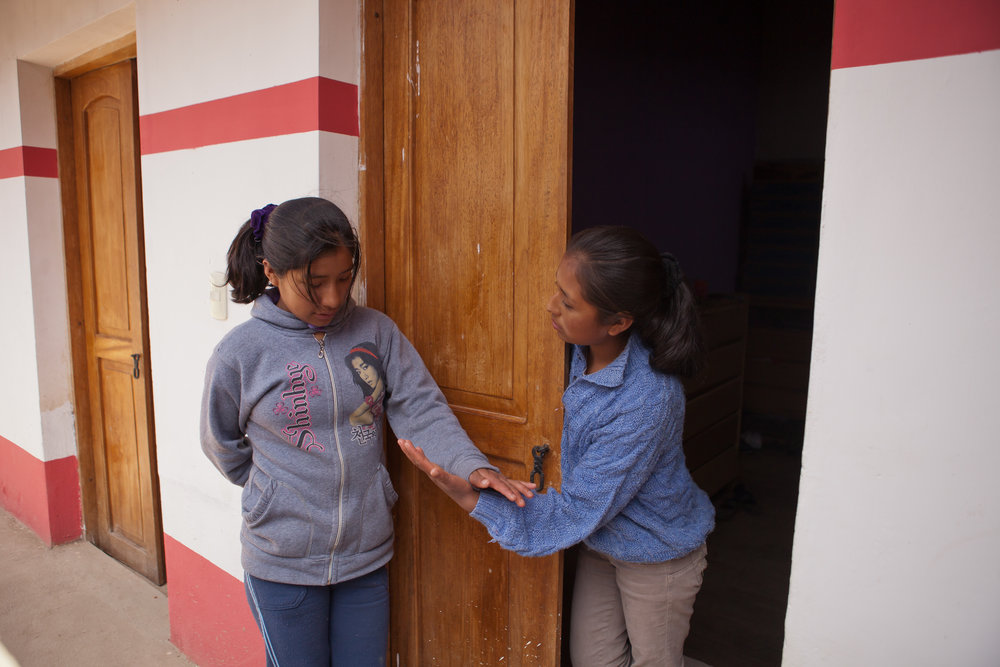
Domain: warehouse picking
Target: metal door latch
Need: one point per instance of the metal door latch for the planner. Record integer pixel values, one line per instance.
(538, 453)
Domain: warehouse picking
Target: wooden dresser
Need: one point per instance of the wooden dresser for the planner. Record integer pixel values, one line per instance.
(715, 395)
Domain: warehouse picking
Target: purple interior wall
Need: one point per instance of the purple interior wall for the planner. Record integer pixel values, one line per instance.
(666, 113)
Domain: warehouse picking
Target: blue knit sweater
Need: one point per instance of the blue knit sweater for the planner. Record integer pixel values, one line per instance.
(626, 491)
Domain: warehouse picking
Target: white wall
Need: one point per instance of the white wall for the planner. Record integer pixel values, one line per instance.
(189, 52)
(195, 200)
(20, 416)
(35, 396)
(53, 362)
(186, 239)
(50, 32)
(896, 558)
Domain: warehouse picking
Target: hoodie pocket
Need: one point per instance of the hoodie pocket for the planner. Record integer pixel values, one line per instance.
(376, 518)
(274, 518)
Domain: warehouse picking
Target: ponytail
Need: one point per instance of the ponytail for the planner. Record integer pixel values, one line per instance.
(673, 332)
(244, 270)
(621, 272)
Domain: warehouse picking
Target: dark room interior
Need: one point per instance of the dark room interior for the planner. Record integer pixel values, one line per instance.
(703, 125)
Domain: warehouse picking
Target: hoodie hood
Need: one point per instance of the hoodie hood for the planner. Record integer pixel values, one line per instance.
(266, 308)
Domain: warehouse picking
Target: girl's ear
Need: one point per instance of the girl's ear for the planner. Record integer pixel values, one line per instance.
(621, 323)
(271, 274)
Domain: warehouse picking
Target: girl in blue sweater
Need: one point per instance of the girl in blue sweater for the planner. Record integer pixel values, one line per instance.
(627, 498)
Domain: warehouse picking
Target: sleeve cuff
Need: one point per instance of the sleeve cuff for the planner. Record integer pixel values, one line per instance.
(470, 464)
(490, 510)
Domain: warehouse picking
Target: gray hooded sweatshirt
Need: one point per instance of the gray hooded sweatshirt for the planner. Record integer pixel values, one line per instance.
(297, 423)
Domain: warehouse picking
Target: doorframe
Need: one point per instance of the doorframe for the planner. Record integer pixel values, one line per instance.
(371, 189)
(116, 51)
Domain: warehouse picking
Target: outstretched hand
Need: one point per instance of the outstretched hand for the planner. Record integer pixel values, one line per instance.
(458, 489)
(461, 490)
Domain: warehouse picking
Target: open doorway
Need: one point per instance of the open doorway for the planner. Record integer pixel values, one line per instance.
(704, 125)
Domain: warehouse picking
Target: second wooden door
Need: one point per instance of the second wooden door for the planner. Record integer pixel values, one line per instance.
(107, 296)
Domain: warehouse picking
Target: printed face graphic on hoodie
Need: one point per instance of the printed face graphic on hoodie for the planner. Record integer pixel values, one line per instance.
(365, 362)
(365, 371)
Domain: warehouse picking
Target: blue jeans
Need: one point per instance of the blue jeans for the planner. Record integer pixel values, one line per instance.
(343, 624)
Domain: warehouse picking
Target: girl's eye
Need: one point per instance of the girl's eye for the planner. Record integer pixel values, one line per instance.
(567, 306)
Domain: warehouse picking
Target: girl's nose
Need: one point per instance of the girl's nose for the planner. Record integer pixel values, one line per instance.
(551, 305)
(329, 298)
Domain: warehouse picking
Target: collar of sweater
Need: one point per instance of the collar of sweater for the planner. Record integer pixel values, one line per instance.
(612, 375)
(265, 308)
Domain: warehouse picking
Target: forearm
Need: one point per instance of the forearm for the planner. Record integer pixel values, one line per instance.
(538, 529)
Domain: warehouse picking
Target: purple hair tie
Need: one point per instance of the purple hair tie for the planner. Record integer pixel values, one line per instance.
(258, 219)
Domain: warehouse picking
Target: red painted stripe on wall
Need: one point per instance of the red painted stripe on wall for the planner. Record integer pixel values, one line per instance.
(872, 32)
(210, 620)
(29, 161)
(303, 106)
(62, 484)
(43, 495)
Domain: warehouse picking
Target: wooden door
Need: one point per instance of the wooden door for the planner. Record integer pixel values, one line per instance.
(475, 216)
(104, 228)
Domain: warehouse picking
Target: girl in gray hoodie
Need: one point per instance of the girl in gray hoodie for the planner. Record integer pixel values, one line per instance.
(292, 412)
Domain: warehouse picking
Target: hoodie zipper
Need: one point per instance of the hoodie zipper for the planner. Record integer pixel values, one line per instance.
(340, 455)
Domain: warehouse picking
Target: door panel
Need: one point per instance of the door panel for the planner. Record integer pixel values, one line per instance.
(464, 156)
(123, 515)
(476, 194)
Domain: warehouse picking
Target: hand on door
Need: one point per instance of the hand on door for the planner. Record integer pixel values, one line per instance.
(461, 490)
(513, 490)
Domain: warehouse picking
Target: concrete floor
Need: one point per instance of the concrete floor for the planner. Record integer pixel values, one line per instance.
(74, 605)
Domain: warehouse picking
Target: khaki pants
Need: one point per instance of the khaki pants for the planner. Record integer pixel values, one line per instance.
(633, 613)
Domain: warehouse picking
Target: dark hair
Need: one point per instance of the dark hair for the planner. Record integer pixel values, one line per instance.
(296, 234)
(621, 272)
(367, 353)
